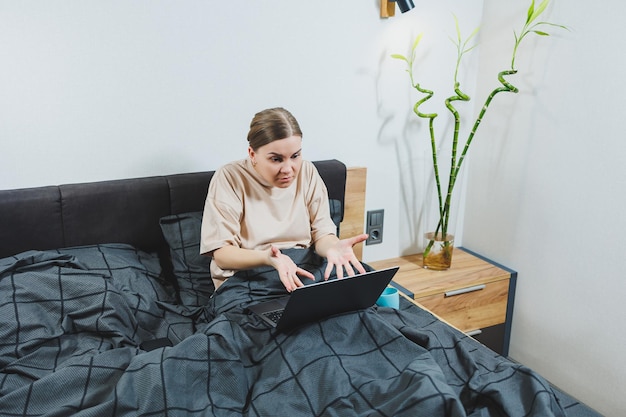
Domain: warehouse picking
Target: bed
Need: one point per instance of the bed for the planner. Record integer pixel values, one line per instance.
(107, 309)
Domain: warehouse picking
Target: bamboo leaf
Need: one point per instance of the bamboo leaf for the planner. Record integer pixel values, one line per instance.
(539, 10)
(531, 11)
(474, 33)
(458, 29)
(551, 24)
(465, 49)
(416, 41)
(540, 33)
(398, 56)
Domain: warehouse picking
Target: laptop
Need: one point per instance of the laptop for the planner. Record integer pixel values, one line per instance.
(323, 299)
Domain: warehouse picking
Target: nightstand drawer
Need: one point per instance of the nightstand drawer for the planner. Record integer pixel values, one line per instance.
(471, 308)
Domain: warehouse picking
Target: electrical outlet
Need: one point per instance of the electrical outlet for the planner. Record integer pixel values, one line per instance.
(374, 227)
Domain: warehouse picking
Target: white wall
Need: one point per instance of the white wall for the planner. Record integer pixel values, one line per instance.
(545, 198)
(93, 90)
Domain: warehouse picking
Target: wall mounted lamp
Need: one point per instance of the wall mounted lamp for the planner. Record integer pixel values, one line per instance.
(388, 7)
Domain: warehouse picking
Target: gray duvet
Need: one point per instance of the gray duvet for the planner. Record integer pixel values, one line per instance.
(74, 325)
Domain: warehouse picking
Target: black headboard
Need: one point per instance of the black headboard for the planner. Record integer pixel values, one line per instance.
(117, 211)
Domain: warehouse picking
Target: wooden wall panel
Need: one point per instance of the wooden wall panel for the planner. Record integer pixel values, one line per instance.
(354, 214)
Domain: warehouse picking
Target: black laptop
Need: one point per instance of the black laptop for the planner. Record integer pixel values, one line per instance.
(323, 299)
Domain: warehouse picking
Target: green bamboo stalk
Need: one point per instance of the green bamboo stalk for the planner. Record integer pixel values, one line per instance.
(462, 49)
(453, 160)
(433, 142)
(433, 146)
(506, 87)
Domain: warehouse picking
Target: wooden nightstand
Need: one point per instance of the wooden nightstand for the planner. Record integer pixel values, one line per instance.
(475, 295)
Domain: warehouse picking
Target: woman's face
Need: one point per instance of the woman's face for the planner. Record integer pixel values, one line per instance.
(279, 161)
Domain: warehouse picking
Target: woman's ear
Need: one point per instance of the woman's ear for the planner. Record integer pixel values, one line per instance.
(252, 155)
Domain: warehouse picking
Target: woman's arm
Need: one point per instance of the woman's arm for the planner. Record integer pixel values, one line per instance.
(232, 257)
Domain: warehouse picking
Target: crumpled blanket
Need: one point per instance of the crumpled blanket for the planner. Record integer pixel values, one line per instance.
(71, 336)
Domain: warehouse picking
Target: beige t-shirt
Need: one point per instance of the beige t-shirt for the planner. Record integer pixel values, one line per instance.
(244, 210)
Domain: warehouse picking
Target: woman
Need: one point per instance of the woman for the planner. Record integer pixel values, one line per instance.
(270, 201)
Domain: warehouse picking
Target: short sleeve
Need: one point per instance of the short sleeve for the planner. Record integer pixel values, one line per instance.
(221, 219)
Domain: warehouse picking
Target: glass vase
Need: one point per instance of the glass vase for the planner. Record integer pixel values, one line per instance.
(438, 252)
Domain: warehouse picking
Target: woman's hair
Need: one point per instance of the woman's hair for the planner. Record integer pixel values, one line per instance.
(270, 125)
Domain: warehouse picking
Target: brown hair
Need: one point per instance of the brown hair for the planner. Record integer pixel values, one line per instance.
(270, 125)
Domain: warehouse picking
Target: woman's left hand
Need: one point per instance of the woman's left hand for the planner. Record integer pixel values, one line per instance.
(341, 255)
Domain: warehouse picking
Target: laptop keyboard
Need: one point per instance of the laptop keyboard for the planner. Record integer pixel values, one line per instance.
(274, 315)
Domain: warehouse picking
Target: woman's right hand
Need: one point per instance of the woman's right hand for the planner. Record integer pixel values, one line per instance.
(288, 271)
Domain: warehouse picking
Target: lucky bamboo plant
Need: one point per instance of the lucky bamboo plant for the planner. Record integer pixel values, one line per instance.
(443, 255)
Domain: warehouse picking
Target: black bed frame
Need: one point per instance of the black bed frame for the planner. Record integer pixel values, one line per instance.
(117, 211)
